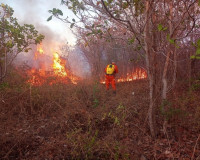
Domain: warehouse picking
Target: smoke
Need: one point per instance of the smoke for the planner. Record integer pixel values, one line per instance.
(79, 64)
(55, 31)
(36, 12)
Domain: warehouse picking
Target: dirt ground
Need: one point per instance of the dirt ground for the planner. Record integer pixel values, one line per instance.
(78, 122)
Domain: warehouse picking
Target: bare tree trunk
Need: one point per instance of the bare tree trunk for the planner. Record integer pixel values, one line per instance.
(190, 62)
(4, 69)
(149, 67)
(175, 68)
(164, 77)
(1, 71)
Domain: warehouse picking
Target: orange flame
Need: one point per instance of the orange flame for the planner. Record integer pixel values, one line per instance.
(39, 51)
(138, 74)
(58, 65)
(58, 72)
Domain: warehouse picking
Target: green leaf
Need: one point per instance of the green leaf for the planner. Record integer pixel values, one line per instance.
(50, 11)
(88, 34)
(177, 46)
(9, 44)
(160, 27)
(72, 25)
(125, 5)
(59, 12)
(164, 29)
(198, 43)
(56, 12)
(116, 121)
(172, 41)
(18, 36)
(106, 3)
(139, 48)
(4, 85)
(29, 36)
(131, 41)
(197, 57)
(198, 51)
(193, 44)
(192, 57)
(106, 22)
(99, 31)
(50, 18)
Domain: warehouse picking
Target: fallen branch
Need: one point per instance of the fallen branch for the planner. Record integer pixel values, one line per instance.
(7, 154)
(194, 150)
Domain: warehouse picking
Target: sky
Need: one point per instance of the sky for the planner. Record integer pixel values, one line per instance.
(36, 12)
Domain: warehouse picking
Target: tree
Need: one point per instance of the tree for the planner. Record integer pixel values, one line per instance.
(15, 38)
(159, 28)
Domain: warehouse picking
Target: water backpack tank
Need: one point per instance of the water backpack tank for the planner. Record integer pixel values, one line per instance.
(110, 69)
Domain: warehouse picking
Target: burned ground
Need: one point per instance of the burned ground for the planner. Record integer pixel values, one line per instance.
(85, 122)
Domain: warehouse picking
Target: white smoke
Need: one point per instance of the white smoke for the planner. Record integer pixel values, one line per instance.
(56, 32)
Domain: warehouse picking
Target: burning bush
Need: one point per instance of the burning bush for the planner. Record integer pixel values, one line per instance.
(43, 73)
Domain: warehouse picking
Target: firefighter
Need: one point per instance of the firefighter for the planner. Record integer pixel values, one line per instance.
(111, 70)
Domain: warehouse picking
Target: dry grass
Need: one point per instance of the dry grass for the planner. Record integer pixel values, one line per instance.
(85, 122)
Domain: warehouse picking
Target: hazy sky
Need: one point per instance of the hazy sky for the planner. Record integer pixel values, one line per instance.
(36, 12)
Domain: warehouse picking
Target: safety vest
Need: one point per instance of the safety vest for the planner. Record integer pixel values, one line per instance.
(110, 69)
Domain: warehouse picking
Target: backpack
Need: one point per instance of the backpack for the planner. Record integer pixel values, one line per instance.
(110, 69)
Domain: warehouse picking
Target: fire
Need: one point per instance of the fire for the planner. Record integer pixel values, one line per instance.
(138, 74)
(58, 65)
(37, 77)
(39, 51)
(57, 73)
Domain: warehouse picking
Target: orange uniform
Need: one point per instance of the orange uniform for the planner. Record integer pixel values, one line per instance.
(110, 78)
